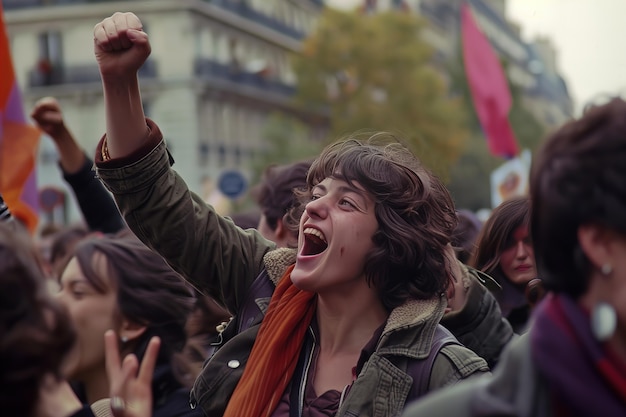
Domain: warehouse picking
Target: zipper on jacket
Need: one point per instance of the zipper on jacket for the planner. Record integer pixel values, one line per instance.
(305, 375)
(343, 396)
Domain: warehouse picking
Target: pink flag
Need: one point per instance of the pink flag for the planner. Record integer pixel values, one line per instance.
(18, 143)
(489, 88)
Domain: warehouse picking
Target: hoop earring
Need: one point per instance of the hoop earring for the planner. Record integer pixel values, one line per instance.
(603, 321)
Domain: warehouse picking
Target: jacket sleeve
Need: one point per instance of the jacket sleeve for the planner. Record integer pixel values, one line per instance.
(95, 202)
(210, 251)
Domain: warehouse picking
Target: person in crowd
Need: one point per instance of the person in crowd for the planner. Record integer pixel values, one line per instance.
(504, 251)
(276, 197)
(573, 360)
(345, 323)
(473, 314)
(96, 204)
(36, 334)
(465, 235)
(116, 282)
(37, 337)
(131, 382)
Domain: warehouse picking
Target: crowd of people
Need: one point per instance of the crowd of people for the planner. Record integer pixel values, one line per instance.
(357, 289)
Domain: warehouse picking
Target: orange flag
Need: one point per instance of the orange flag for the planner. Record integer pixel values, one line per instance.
(18, 143)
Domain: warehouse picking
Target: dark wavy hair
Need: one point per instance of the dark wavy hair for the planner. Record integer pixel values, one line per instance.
(35, 332)
(465, 235)
(578, 178)
(149, 293)
(414, 210)
(497, 235)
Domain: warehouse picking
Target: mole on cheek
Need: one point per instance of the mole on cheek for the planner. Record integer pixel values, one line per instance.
(341, 251)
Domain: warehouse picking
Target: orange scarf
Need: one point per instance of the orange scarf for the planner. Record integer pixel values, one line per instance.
(275, 352)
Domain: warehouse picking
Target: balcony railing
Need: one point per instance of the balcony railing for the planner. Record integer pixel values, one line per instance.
(79, 74)
(24, 4)
(205, 67)
(242, 9)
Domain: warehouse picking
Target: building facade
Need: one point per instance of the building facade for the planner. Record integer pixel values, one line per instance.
(217, 71)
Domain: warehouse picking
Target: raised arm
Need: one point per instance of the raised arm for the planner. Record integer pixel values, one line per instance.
(212, 253)
(95, 202)
(121, 48)
(49, 118)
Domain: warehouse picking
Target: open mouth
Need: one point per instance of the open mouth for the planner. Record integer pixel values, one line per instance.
(314, 242)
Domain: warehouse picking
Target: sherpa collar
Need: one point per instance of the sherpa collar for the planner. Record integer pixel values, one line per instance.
(412, 314)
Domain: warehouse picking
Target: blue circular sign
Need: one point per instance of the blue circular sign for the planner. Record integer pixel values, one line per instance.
(232, 183)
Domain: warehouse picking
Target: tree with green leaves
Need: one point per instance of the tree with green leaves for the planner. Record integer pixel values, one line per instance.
(286, 140)
(374, 72)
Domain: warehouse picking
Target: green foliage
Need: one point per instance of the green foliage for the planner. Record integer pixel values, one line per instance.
(528, 130)
(470, 177)
(374, 73)
(286, 140)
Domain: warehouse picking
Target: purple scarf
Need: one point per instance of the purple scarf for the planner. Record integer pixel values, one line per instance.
(584, 379)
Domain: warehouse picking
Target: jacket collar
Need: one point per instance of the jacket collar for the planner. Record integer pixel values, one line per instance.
(410, 327)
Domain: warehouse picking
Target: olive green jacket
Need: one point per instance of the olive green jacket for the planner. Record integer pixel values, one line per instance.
(515, 389)
(223, 261)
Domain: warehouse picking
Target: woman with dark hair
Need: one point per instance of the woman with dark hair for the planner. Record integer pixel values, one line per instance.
(573, 360)
(504, 251)
(118, 283)
(35, 334)
(346, 323)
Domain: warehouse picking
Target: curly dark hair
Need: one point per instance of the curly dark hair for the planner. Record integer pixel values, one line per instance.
(149, 292)
(414, 210)
(578, 178)
(35, 331)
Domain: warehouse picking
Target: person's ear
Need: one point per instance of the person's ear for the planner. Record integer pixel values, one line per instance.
(595, 242)
(130, 330)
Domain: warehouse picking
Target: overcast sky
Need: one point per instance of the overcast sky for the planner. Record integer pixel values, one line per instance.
(589, 37)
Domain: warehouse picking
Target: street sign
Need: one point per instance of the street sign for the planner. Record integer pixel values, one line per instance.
(232, 183)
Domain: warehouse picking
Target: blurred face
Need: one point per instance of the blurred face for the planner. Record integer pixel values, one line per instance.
(517, 261)
(92, 313)
(336, 231)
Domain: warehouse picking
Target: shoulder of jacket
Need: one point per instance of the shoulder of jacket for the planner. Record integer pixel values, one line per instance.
(277, 261)
(455, 362)
(466, 361)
